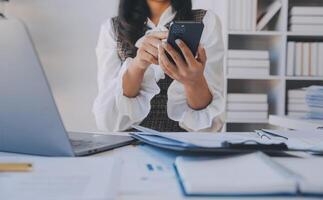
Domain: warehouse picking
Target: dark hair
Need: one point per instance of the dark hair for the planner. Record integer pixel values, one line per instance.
(133, 15)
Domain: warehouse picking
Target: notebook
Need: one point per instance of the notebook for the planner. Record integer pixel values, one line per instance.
(250, 175)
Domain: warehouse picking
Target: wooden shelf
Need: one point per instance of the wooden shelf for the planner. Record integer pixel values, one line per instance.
(304, 78)
(255, 33)
(305, 34)
(247, 121)
(230, 77)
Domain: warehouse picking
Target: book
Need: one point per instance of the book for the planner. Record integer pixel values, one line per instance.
(306, 59)
(297, 107)
(248, 63)
(238, 14)
(250, 98)
(247, 107)
(296, 114)
(254, 15)
(248, 71)
(297, 93)
(290, 59)
(306, 20)
(320, 62)
(244, 15)
(271, 11)
(299, 59)
(230, 15)
(254, 174)
(248, 54)
(252, 115)
(251, 174)
(297, 100)
(314, 59)
(306, 10)
(306, 28)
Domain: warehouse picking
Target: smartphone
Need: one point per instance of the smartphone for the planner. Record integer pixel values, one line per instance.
(189, 32)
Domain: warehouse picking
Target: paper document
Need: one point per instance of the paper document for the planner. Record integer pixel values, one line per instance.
(205, 140)
(60, 178)
(311, 140)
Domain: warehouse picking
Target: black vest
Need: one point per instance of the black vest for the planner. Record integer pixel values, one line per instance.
(157, 118)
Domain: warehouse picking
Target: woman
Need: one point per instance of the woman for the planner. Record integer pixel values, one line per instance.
(139, 85)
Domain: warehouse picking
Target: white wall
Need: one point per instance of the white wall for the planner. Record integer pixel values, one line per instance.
(65, 34)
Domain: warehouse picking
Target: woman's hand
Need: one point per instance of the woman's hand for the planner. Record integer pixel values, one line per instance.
(148, 49)
(147, 54)
(188, 71)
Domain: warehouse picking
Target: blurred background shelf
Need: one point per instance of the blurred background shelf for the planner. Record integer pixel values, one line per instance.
(273, 38)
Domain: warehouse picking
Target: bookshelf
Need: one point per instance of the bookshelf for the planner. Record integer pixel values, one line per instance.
(274, 39)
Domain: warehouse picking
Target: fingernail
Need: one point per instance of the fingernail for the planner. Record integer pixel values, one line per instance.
(178, 41)
(164, 44)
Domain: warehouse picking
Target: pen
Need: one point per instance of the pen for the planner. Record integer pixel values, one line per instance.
(15, 167)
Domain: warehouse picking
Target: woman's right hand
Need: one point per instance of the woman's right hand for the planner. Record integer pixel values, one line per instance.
(147, 53)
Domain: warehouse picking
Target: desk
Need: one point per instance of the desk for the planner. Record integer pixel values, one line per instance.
(144, 184)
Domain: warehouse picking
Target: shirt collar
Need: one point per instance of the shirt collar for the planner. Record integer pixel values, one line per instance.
(167, 16)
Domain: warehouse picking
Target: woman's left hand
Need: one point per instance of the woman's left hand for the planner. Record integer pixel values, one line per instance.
(188, 71)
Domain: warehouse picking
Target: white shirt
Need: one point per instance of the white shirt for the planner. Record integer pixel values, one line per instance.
(115, 112)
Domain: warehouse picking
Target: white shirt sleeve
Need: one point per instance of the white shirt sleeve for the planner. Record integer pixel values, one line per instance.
(113, 111)
(210, 118)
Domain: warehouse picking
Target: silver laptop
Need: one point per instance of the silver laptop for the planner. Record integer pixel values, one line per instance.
(29, 120)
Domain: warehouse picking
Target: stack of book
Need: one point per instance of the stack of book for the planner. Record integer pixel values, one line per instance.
(306, 19)
(248, 63)
(247, 107)
(243, 15)
(306, 102)
(296, 105)
(304, 59)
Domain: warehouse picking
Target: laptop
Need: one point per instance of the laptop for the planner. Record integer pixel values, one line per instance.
(29, 119)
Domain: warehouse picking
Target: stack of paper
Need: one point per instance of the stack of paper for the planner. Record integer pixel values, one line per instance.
(304, 59)
(306, 19)
(61, 178)
(248, 63)
(314, 101)
(247, 107)
(306, 102)
(243, 15)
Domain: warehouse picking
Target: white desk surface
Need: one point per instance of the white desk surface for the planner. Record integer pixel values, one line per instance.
(138, 183)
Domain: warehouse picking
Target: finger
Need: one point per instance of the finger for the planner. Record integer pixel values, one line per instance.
(150, 49)
(159, 34)
(201, 55)
(180, 63)
(153, 41)
(167, 64)
(148, 57)
(186, 51)
(168, 72)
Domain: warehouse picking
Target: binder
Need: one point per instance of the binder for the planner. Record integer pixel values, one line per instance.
(268, 141)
